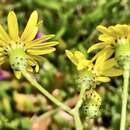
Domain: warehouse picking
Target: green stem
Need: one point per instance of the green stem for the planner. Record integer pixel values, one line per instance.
(78, 123)
(75, 110)
(45, 92)
(79, 103)
(124, 96)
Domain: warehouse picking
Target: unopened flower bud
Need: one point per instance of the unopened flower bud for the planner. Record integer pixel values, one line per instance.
(91, 104)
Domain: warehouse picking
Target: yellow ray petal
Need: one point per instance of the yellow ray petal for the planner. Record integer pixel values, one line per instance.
(100, 62)
(109, 64)
(3, 43)
(116, 30)
(105, 30)
(1, 49)
(32, 23)
(3, 35)
(70, 55)
(36, 42)
(81, 65)
(45, 45)
(108, 50)
(30, 69)
(31, 61)
(2, 54)
(79, 56)
(125, 29)
(13, 25)
(38, 58)
(103, 79)
(113, 72)
(18, 74)
(112, 31)
(32, 35)
(102, 29)
(106, 38)
(2, 60)
(37, 68)
(97, 46)
(41, 52)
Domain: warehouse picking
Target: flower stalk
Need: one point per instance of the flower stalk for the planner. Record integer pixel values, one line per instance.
(45, 92)
(125, 95)
(75, 110)
(78, 123)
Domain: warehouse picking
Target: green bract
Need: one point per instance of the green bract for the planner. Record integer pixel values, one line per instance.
(17, 58)
(85, 79)
(122, 52)
(91, 104)
(90, 110)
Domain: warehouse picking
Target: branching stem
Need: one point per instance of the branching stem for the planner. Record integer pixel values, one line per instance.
(74, 112)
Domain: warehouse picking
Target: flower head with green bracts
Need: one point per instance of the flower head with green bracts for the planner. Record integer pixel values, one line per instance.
(91, 104)
(23, 51)
(101, 69)
(114, 39)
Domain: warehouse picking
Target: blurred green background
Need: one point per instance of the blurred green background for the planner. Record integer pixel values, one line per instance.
(74, 24)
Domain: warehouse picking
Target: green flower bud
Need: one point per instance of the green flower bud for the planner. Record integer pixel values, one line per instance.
(91, 104)
(90, 110)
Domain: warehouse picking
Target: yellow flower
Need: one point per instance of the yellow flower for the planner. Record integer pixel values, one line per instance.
(23, 51)
(110, 38)
(79, 60)
(102, 69)
(105, 68)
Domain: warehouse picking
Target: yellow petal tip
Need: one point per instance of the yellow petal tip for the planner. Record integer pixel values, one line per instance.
(35, 12)
(67, 52)
(18, 74)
